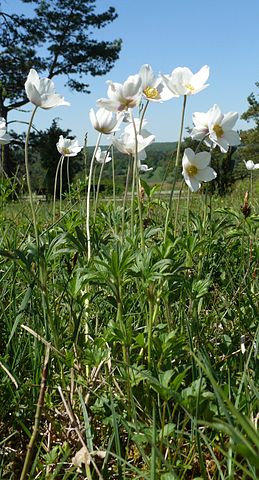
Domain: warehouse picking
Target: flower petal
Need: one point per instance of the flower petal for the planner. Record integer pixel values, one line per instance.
(229, 120)
(201, 160)
(206, 174)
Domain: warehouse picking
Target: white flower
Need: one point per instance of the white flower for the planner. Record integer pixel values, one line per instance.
(196, 169)
(250, 165)
(143, 168)
(41, 91)
(153, 88)
(215, 128)
(122, 96)
(105, 121)
(67, 147)
(102, 156)
(130, 126)
(127, 142)
(183, 82)
(4, 137)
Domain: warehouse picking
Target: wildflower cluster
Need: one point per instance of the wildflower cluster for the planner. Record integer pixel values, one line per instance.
(213, 127)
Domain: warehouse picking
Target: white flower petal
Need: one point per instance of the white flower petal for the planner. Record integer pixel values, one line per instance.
(188, 155)
(201, 160)
(223, 144)
(41, 92)
(229, 120)
(200, 78)
(147, 76)
(214, 116)
(232, 138)
(192, 183)
(206, 174)
(200, 119)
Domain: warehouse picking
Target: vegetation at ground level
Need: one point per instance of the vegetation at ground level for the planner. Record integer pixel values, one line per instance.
(151, 351)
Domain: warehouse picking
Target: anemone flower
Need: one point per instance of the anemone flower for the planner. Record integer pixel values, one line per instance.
(41, 91)
(250, 165)
(196, 169)
(105, 121)
(67, 147)
(102, 156)
(122, 95)
(127, 142)
(143, 168)
(4, 137)
(153, 88)
(215, 128)
(183, 82)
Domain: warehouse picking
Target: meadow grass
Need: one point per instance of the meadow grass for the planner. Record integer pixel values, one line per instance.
(141, 362)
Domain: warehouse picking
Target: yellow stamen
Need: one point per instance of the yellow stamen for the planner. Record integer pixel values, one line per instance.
(190, 87)
(218, 130)
(151, 92)
(66, 151)
(192, 170)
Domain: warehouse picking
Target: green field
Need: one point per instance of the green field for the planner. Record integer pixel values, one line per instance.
(151, 346)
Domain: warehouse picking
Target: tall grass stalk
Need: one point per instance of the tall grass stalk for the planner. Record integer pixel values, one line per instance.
(28, 458)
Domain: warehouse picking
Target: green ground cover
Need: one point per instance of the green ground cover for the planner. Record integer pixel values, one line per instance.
(151, 350)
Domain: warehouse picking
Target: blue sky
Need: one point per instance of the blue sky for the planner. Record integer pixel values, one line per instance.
(223, 34)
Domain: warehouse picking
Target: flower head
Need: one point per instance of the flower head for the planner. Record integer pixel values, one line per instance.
(41, 91)
(4, 137)
(102, 156)
(183, 82)
(122, 96)
(153, 88)
(105, 121)
(67, 147)
(215, 128)
(143, 168)
(128, 142)
(250, 165)
(196, 169)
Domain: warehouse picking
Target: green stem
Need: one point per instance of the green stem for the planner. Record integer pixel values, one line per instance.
(125, 198)
(177, 208)
(55, 188)
(119, 321)
(205, 206)
(149, 338)
(60, 186)
(136, 180)
(68, 180)
(142, 115)
(26, 158)
(133, 196)
(251, 187)
(153, 310)
(97, 190)
(94, 176)
(88, 239)
(169, 210)
(153, 475)
(188, 212)
(113, 179)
